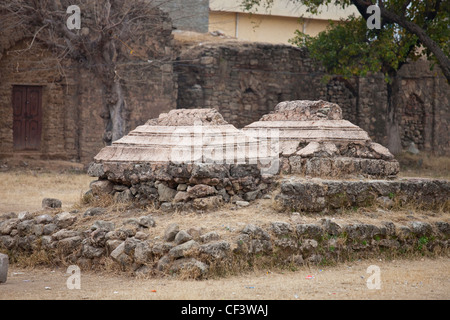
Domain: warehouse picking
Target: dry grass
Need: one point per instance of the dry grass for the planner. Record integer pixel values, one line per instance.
(424, 165)
(24, 190)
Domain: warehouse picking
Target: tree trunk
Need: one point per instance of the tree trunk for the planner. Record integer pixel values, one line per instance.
(393, 129)
(117, 113)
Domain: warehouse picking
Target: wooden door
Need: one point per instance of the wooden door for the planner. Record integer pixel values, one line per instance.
(27, 117)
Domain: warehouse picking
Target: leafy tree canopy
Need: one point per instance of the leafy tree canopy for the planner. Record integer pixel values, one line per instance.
(409, 29)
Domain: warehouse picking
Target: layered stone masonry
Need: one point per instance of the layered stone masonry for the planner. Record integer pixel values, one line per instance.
(319, 195)
(194, 159)
(314, 140)
(133, 246)
(185, 159)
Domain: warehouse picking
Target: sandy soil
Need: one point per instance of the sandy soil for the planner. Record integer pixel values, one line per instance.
(400, 279)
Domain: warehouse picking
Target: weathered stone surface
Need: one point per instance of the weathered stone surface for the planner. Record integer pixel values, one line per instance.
(320, 194)
(142, 252)
(123, 196)
(255, 232)
(65, 233)
(102, 187)
(216, 250)
(209, 236)
(49, 229)
(201, 190)
(44, 219)
(171, 231)
(25, 215)
(51, 203)
(420, 228)
(330, 227)
(146, 221)
(207, 203)
(310, 231)
(191, 266)
(166, 193)
(103, 225)
(181, 196)
(4, 264)
(182, 237)
(65, 219)
(94, 212)
(180, 250)
(119, 255)
(25, 227)
(7, 226)
(304, 110)
(315, 141)
(91, 252)
(281, 229)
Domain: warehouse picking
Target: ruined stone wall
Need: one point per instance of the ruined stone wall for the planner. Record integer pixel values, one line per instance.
(424, 105)
(244, 81)
(72, 96)
(38, 68)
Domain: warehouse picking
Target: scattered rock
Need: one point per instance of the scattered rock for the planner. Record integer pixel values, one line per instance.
(207, 203)
(103, 225)
(180, 250)
(146, 221)
(216, 250)
(44, 219)
(100, 187)
(242, 203)
(25, 215)
(51, 203)
(182, 237)
(192, 267)
(96, 211)
(65, 219)
(210, 236)
(171, 231)
(124, 196)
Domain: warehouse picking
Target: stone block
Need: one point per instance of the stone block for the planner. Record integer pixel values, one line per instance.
(4, 264)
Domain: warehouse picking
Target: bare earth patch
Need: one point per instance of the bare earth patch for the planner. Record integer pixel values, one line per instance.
(400, 279)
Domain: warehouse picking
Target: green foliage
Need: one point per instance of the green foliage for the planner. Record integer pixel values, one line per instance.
(350, 48)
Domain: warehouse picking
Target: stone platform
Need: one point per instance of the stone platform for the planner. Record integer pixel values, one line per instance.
(314, 140)
(316, 195)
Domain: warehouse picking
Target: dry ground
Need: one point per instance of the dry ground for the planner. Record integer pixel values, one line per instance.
(24, 187)
(400, 279)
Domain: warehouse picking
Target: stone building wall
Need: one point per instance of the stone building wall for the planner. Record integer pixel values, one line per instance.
(72, 96)
(244, 81)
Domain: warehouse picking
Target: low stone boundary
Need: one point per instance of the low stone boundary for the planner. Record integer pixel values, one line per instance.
(196, 253)
(314, 195)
